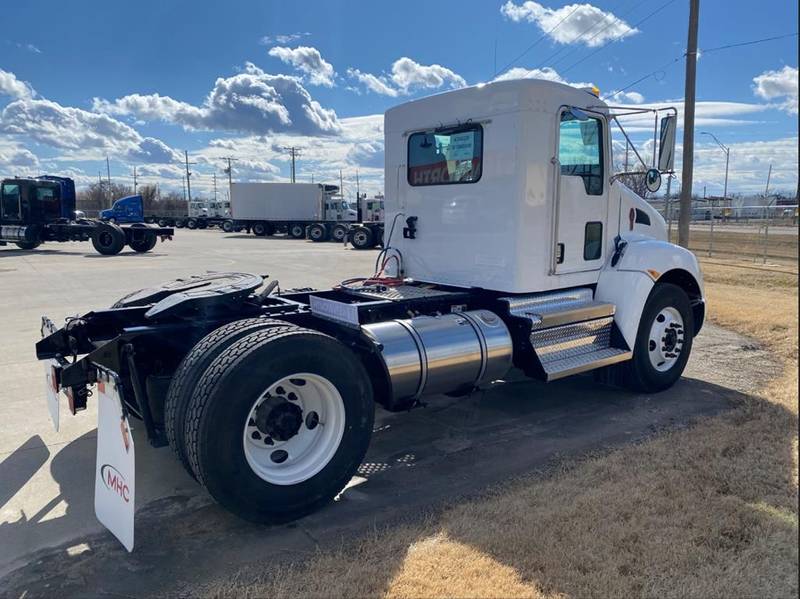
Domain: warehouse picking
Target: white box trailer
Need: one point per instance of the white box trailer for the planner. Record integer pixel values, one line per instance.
(300, 209)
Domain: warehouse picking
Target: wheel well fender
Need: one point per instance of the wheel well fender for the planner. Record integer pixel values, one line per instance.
(686, 281)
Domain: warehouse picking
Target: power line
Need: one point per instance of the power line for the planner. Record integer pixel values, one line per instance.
(604, 46)
(294, 153)
(702, 51)
(582, 34)
(534, 44)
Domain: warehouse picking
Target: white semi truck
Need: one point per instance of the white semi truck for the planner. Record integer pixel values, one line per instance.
(367, 232)
(509, 244)
(299, 209)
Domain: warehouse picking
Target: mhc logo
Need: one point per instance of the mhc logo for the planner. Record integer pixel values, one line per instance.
(115, 482)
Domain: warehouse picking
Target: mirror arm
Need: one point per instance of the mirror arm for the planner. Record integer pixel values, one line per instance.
(633, 147)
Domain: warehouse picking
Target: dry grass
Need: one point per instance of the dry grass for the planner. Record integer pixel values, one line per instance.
(708, 511)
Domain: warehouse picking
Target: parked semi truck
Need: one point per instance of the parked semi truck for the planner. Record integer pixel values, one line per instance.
(301, 210)
(367, 231)
(35, 211)
(509, 244)
(201, 214)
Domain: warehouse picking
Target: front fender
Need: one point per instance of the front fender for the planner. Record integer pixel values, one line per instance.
(645, 262)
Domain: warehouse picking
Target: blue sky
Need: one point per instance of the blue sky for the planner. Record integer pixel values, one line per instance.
(82, 80)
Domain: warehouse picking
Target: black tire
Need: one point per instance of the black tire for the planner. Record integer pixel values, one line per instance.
(296, 231)
(221, 405)
(227, 226)
(179, 224)
(162, 222)
(259, 229)
(191, 224)
(639, 374)
(194, 364)
(338, 233)
(317, 232)
(28, 245)
(144, 245)
(108, 239)
(362, 238)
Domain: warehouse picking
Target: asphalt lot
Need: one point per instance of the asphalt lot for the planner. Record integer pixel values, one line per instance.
(50, 541)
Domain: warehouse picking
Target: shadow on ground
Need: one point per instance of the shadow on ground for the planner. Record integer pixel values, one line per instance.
(418, 461)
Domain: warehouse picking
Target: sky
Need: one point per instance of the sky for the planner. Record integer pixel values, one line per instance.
(140, 84)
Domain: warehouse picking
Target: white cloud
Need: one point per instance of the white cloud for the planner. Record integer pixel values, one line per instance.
(775, 85)
(627, 97)
(250, 102)
(547, 73)
(583, 23)
(18, 157)
(282, 38)
(307, 60)
(377, 85)
(13, 87)
(408, 76)
(88, 133)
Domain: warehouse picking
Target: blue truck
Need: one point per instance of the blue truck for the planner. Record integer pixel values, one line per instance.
(42, 209)
(129, 209)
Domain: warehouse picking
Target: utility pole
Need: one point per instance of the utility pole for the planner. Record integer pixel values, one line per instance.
(108, 174)
(215, 188)
(358, 188)
(294, 153)
(687, 168)
(341, 183)
(188, 175)
(135, 184)
(669, 208)
(229, 171)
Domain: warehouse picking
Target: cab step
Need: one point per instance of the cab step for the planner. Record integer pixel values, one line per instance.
(577, 347)
(570, 331)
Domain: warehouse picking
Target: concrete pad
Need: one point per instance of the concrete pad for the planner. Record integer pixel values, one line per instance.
(453, 448)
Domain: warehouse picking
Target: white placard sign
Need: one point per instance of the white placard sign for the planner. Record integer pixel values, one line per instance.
(114, 485)
(462, 146)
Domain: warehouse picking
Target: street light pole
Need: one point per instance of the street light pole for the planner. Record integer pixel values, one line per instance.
(727, 151)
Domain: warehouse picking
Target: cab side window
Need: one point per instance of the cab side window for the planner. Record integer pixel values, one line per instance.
(10, 205)
(580, 150)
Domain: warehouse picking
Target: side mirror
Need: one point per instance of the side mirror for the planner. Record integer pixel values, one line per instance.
(666, 143)
(652, 180)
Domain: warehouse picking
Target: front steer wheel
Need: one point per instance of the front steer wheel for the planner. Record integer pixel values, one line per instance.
(663, 342)
(279, 423)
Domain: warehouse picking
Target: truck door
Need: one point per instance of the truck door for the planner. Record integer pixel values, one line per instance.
(581, 206)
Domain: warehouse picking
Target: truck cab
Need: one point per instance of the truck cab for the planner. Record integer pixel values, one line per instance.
(129, 209)
(31, 202)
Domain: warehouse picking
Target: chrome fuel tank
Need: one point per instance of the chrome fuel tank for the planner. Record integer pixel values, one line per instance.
(442, 354)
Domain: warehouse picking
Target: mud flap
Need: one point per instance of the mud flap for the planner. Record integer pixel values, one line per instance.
(115, 469)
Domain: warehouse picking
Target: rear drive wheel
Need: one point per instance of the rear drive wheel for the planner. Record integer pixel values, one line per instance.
(162, 222)
(191, 223)
(259, 229)
(28, 245)
(317, 232)
(338, 233)
(296, 231)
(194, 364)
(108, 239)
(362, 238)
(279, 423)
(663, 341)
(227, 226)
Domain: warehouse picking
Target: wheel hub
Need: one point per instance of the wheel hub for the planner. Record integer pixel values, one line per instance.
(666, 339)
(279, 418)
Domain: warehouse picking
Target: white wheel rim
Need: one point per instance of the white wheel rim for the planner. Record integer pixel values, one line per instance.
(360, 237)
(665, 342)
(338, 234)
(305, 453)
(316, 233)
(297, 231)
